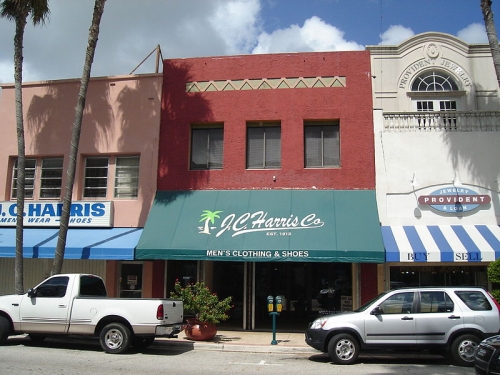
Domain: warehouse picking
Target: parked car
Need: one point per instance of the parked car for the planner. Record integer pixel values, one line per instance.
(447, 320)
(76, 304)
(486, 360)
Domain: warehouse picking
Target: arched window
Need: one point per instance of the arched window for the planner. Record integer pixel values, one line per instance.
(434, 90)
(434, 81)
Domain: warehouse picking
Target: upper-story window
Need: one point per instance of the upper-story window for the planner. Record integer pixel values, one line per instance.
(434, 81)
(126, 177)
(43, 178)
(321, 144)
(434, 91)
(101, 171)
(263, 145)
(207, 146)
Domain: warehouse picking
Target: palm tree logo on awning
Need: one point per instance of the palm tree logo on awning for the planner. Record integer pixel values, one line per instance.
(208, 217)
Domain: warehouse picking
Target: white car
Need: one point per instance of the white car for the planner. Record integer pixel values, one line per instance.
(448, 320)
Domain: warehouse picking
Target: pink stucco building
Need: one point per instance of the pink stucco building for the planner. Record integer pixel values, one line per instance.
(115, 180)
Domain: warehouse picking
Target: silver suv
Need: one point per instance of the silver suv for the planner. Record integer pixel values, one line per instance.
(447, 320)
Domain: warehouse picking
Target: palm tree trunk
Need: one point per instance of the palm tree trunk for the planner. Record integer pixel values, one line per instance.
(75, 139)
(492, 36)
(18, 79)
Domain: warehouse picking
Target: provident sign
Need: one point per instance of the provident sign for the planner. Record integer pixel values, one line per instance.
(454, 199)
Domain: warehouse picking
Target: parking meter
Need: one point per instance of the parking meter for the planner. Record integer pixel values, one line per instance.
(270, 303)
(279, 303)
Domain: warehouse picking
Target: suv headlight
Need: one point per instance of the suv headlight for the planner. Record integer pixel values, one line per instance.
(318, 323)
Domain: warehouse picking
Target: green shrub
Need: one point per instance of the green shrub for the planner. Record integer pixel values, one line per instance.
(206, 305)
(494, 278)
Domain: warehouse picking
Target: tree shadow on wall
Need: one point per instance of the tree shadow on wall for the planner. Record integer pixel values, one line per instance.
(180, 110)
(50, 118)
(468, 149)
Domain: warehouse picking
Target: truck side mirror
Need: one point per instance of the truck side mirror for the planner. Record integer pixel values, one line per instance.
(31, 292)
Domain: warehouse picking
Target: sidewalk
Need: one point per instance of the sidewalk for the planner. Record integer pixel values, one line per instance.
(246, 341)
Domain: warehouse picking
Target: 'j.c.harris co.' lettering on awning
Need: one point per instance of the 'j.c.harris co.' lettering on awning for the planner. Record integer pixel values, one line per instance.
(453, 199)
(257, 222)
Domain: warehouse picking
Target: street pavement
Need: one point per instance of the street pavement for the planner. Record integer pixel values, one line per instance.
(247, 341)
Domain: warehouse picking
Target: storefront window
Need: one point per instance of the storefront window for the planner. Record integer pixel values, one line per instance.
(411, 276)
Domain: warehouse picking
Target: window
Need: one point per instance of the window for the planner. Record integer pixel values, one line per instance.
(435, 91)
(401, 303)
(127, 177)
(435, 87)
(436, 105)
(46, 173)
(92, 286)
(474, 300)
(123, 170)
(432, 302)
(51, 179)
(96, 178)
(207, 148)
(54, 287)
(263, 145)
(321, 145)
(434, 81)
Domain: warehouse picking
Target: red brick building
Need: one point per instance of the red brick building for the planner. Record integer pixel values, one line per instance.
(266, 182)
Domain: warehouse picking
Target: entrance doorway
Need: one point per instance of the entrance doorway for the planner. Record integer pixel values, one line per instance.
(228, 281)
(307, 290)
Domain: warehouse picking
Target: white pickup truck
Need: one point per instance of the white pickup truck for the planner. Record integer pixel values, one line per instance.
(76, 304)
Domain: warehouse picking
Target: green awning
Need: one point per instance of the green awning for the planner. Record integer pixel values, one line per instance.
(263, 226)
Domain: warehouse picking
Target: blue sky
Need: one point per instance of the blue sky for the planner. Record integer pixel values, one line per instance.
(131, 29)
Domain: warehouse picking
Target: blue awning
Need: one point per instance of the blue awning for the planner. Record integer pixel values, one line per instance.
(104, 244)
(441, 243)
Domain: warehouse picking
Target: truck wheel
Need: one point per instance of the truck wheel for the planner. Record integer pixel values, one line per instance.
(4, 329)
(463, 349)
(115, 338)
(141, 342)
(343, 349)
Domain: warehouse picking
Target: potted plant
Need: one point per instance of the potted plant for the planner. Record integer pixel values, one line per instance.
(206, 307)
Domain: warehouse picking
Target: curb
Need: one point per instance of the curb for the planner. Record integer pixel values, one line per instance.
(195, 345)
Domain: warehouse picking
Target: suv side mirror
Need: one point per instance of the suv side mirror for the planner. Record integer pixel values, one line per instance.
(376, 311)
(31, 292)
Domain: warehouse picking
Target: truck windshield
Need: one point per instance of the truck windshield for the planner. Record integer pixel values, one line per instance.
(92, 286)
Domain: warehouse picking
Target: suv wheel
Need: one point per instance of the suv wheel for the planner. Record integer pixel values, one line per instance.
(463, 349)
(343, 349)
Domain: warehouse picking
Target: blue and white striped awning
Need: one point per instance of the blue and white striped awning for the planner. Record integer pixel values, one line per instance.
(441, 243)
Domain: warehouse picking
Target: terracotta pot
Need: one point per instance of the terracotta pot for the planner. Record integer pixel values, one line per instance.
(200, 331)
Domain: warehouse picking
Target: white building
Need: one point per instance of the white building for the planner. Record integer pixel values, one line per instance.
(437, 143)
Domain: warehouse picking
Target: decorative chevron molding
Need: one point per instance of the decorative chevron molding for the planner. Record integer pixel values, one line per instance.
(266, 84)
